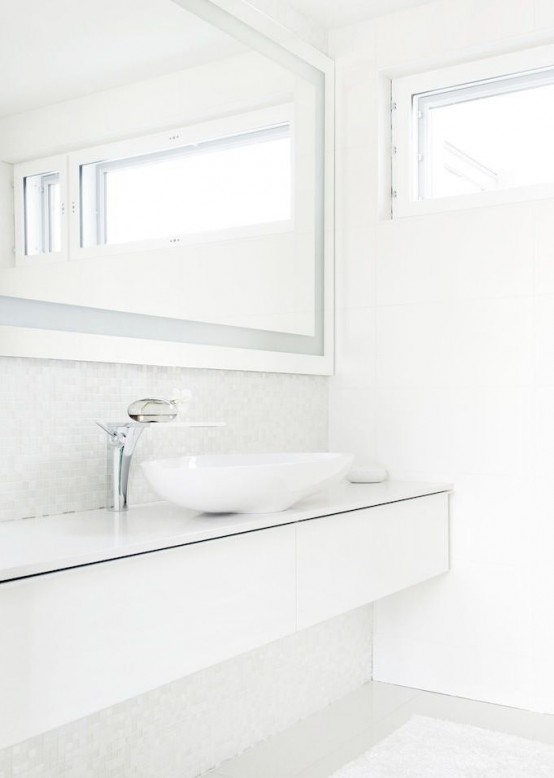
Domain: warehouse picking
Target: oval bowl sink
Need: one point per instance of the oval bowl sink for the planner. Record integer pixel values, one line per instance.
(257, 483)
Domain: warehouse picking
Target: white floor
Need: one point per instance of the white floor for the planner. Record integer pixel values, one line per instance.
(326, 741)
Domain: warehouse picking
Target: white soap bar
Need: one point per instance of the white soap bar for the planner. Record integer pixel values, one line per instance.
(367, 474)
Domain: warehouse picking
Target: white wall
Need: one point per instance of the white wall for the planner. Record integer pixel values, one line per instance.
(446, 370)
(6, 216)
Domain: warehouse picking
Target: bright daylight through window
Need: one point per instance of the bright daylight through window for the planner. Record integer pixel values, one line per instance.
(488, 135)
(229, 182)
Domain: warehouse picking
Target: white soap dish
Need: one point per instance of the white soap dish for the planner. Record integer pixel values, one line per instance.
(367, 474)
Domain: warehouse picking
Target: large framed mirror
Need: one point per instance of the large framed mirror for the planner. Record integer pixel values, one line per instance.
(166, 187)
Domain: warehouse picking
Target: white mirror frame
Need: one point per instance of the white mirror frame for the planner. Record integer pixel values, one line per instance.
(270, 38)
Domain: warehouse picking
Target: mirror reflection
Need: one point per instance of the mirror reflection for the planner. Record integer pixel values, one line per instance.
(153, 164)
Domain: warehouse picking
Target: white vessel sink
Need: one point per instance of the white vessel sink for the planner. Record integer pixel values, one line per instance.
(257, 483)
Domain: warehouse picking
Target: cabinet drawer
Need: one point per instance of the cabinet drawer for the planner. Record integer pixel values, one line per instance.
(76, 641)
(349, 559)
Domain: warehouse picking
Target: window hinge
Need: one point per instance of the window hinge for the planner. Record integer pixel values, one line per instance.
(393, 106)
(394, 194)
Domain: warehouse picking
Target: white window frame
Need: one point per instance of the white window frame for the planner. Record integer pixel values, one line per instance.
(172, 139)
(25, 170)
(405, 173)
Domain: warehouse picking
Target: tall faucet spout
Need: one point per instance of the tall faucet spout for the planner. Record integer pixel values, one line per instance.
(122, 440)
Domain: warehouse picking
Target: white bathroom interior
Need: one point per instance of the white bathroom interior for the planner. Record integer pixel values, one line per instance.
(276, 381)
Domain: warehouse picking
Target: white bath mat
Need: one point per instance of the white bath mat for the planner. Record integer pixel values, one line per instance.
(431, 748)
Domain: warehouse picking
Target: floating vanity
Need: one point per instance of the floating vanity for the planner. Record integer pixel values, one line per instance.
(97, 607)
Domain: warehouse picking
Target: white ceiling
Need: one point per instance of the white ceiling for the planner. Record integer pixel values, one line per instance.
(54, 50)
(337, 13)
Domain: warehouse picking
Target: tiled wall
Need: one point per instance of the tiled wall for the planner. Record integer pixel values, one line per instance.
(53, 456)
(183, 729)
(445, 369)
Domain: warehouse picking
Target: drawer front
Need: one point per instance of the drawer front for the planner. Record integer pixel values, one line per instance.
(350, 559)
(76, 641)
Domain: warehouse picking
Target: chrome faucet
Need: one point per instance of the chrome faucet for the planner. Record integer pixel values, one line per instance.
(122, 440)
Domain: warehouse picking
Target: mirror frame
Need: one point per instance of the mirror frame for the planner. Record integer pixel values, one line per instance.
(260, 32)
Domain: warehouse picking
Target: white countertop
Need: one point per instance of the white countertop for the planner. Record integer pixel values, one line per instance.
(48, 544)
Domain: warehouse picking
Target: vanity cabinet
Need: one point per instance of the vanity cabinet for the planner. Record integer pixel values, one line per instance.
(77, 641)
(82, 639)
(357, 557)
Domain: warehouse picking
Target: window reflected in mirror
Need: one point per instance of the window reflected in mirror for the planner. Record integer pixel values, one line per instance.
(166, 165)
(42, 206)
(222, 183)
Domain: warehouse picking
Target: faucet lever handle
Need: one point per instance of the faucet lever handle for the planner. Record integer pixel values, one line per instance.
(153, 410)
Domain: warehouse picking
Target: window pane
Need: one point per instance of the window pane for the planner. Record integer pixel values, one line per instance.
(233, 182)
(42, 209)
(473, 140)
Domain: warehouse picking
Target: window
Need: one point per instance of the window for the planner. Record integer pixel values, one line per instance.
(230, 177)
(40, 210)
(233, 181)
(42, 198)
(462, 142)
(486, 136)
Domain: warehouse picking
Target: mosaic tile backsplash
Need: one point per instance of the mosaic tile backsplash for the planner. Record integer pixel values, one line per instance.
(53, 456)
